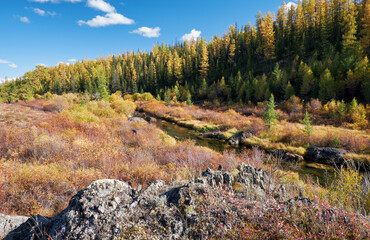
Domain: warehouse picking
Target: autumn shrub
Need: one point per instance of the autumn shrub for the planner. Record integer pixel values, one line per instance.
(124, 107)
(346, 189)
(56, 103)
(314, 105)
(115, 96)
(80, 113)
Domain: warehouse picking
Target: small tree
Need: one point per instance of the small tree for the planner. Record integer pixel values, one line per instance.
(158, 97)
(270, 115)
(167, 97)
(307, 122)
(188, 100)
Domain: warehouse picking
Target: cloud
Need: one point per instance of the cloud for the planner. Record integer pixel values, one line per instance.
(290, 4)
(106, 20)
(10, 64)
(39, 11)
(24, 19)
(4, 61)
(41, 64)
(72, 60)
(148, 32)
(101, 5)
(194, 34)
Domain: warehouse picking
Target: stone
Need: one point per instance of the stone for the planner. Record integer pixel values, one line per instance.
(211, 134)
(151, 119)
(326, 155)
(111, 209)
(135, 119)
(239, 138)
(9, 223)
(287, 156)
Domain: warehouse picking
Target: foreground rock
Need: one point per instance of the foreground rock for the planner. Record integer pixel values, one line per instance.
(288, 156)
(135, 119)
(239, 138)
(109, 209)
(9, 223)
(326, 155)
(212, 134)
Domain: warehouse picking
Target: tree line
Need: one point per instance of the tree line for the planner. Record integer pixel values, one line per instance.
(317, 49)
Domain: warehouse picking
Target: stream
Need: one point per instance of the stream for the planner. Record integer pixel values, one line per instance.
(324, 177)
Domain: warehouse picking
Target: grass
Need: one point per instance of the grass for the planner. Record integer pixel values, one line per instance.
(285, 135)
(51, 155)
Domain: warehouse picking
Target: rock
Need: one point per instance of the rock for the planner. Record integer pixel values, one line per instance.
(288, 156)
(9, 223)
(326, 155)
(239, 138)
(211, 134)
(135, 119)
(111, 209)
(151, 119)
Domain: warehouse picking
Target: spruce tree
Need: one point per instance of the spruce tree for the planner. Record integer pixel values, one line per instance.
(270, 115)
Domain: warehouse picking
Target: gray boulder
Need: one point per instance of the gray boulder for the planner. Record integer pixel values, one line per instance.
(288, 156)
(136, 119)
(211, 134)
(326, 155)
(151, 119)
(239, 138)
(111, 209)
(9, 223)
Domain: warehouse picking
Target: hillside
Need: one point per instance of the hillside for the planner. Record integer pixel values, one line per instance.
(319, 49)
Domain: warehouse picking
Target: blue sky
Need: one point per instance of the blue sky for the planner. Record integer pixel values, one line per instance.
(47, 32)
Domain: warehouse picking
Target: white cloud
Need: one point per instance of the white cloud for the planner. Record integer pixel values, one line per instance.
(148, 32)
(10, 64)
(51, 13)
(24, 19)
(72, 60)
(4, 61)
(39, 11)
(290, 4)
(194, 34)
(63, 63)
(106, 20)
(101, 5)
(41, 64)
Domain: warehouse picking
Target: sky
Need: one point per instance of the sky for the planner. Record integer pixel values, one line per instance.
(47, 32)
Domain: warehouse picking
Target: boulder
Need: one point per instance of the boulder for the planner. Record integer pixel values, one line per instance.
(151, 119)
(239, 138)
(112, 209)
(326, 155)
(136, 119)
(288, 156)
(211, 134)
(9, 223)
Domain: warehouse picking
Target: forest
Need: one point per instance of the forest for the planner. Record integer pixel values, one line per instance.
(316, 50)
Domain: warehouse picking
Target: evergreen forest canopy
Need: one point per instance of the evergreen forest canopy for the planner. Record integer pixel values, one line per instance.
(318, 49)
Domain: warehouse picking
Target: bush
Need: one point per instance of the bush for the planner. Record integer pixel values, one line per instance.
(124, 107)
(56, 104)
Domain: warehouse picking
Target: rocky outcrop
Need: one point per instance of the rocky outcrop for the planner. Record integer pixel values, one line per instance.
(136, 119)
(326, 155)
(151, 119)
(211, 134)
(109, 209)
(288, 156)
(239, 138)
(9, 223)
